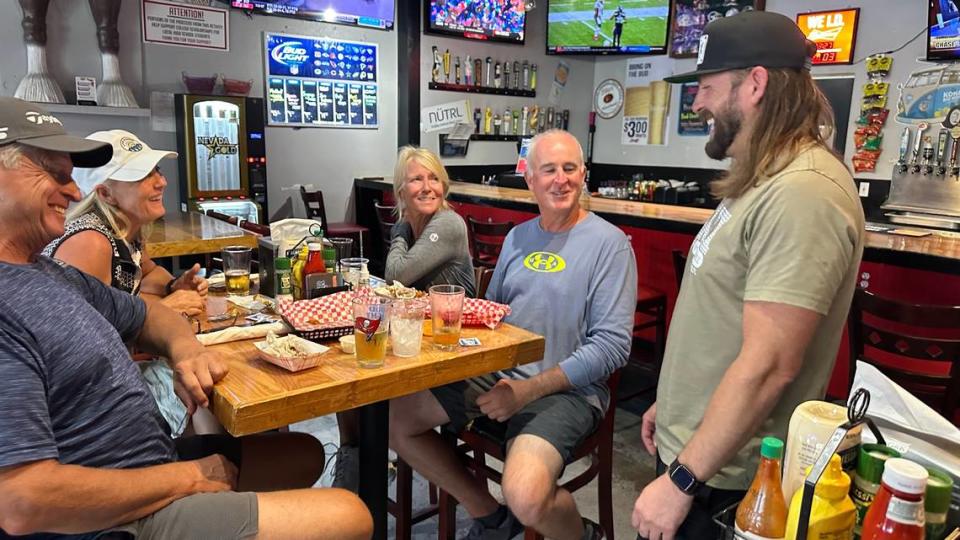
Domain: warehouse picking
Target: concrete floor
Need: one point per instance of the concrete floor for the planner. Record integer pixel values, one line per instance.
(633, 468)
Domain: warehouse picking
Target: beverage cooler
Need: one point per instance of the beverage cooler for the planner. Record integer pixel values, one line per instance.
(223, 158)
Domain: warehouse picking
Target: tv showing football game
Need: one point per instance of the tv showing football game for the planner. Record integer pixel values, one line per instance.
(493, 20)
(371, 13)
(633, 27)
(943, 30)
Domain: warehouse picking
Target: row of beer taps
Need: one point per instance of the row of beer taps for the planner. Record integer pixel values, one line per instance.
(925, 159)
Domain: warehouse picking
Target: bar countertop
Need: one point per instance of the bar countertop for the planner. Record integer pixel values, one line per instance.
(191, 233)
(880, 246)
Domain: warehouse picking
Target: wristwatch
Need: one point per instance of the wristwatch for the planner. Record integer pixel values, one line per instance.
(683, 478)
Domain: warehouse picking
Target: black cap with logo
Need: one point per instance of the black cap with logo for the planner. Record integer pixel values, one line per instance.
(31, 125)
(751, 38)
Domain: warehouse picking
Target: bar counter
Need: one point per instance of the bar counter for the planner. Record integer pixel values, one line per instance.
(939, 251)
(192, 233)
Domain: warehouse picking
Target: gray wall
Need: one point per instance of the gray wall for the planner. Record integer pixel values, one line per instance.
(884, 25)
(576, 96)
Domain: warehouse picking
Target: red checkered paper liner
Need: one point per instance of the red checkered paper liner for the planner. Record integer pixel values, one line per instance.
(480, 312)
(336, 311)
(331, 311)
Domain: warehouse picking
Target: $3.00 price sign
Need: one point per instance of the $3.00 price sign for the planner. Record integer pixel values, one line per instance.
(636, 130)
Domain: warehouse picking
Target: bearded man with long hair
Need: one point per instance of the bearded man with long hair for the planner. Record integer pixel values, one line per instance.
(769, 278)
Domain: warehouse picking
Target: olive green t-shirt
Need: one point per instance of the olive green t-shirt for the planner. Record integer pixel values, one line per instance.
(795, 239)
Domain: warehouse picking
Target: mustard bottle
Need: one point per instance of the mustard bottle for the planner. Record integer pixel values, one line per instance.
(832, 514)
(298, 272)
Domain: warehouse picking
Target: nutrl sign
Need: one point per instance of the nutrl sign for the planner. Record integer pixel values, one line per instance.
(444, 116)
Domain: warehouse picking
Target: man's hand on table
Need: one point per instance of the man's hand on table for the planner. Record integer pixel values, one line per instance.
(506, 398)
(196, 374)
(188, 302)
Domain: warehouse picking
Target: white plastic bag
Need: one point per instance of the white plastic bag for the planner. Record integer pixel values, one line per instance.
(287, 232)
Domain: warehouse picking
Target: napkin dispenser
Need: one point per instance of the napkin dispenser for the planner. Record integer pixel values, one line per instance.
(266, 255)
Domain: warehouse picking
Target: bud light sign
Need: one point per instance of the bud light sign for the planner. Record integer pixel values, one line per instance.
(287, 57)
(321, 82)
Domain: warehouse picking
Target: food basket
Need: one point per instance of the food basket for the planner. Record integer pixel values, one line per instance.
(294, 363)
(319, 319)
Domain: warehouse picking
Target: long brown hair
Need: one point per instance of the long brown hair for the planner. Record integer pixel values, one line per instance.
(794, 113)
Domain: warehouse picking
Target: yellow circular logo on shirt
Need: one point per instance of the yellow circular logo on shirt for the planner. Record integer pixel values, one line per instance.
(542, 261)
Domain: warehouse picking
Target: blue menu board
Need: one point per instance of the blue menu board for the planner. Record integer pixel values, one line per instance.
(321, 82)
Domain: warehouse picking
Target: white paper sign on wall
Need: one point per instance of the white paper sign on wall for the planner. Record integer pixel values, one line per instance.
(183, 25)
(444, 116)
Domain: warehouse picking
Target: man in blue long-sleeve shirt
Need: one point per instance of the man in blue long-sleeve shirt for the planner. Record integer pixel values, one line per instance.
(571, 277)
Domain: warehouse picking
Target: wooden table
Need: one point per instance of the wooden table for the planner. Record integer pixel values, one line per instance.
(192, 233)
(256, 396)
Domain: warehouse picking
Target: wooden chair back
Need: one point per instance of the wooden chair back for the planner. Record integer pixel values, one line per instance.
(486, 240)
(482, 275)
(313, 204)
(386, 218)
(883, 325)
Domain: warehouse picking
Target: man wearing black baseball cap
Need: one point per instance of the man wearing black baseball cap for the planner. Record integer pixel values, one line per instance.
(84, 451)
(768, 282)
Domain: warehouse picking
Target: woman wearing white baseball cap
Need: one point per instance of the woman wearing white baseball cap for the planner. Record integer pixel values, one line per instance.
(105, 231)
(105, 238)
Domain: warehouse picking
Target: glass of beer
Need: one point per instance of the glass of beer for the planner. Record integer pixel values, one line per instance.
(371, 323)
(446, 307)
(236, 269)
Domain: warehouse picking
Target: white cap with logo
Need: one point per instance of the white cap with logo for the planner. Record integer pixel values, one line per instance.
(132, 160)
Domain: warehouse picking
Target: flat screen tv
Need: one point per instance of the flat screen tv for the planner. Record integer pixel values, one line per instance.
(371, 13)
(943, 30)
(631, 27)
(493, 20)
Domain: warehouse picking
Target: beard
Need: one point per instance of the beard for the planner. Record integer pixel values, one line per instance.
(726, 126)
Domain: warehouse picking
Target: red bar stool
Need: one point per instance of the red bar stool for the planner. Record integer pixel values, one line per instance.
(886, 333)
(313, 203)
(486, 240)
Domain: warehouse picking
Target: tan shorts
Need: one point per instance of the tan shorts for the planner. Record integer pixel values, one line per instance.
(212, 516)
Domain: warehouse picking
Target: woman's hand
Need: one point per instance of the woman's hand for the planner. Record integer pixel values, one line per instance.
(190, 281)
(183, 301)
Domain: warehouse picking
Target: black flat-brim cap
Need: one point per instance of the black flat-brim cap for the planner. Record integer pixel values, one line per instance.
(748, 39)
(31, 125)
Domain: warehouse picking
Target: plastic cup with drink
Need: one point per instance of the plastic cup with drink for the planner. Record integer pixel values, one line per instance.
(446, 306)
(406, 326)
(371, 323)
(236, 269)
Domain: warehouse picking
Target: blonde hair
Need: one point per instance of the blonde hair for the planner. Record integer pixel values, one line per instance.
(114, 217)
(10, 155)
(427, 159)
(794, 114)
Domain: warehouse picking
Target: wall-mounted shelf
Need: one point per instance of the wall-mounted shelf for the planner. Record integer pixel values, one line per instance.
(470, 89)
(485, 137)
(93, 110)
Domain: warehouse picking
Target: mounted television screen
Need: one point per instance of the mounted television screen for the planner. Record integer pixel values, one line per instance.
(834, 33)
(372, 13)
(943, 30)
(632, 27)
(494, 20)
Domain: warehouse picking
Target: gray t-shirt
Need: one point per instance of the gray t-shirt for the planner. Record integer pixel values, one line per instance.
(71, 392)
(578, 289)
(441, 256)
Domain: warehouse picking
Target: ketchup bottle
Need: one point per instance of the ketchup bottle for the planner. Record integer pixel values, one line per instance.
(897, 510)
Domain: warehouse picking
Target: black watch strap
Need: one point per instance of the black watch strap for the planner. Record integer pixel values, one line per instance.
(683, 478)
